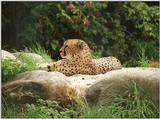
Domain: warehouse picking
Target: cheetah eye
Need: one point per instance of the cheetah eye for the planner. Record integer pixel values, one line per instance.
(66, 46)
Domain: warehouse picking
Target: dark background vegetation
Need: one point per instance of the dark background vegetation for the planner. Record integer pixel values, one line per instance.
(127, 30)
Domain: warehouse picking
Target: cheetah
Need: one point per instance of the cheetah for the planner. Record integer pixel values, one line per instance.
(77, 59)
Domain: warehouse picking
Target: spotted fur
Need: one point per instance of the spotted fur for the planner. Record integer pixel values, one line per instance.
(77, 59)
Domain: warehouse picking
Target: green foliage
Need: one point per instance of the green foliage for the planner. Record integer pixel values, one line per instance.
(38, 49)
(131, 104)
(95, 53)
(115, 27)
(140, 23)
(49, 109)
(41, 109)
(10, 67)
(143, 60)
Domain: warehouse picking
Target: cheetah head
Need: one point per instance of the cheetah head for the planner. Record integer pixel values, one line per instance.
(72, 47)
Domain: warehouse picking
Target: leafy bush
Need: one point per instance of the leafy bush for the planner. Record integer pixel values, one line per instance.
(115, 28)
(133, 103)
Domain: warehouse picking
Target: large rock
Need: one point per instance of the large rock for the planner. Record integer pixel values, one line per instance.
(116, 82)
(95, 88)
(7, 55)
(29, 86)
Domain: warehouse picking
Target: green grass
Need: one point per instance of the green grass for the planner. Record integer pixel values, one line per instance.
(38, 49)
(54, 109)
(10, 68)
(49, 109)
(41, 109)
(143, 60)
(132, 104)
(12, 111)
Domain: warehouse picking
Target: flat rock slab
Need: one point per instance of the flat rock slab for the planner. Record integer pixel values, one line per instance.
(55, 85)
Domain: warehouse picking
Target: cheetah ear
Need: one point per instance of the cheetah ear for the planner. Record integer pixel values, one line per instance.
(80, 44)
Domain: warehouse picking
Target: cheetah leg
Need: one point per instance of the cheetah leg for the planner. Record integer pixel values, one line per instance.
(48, 67)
